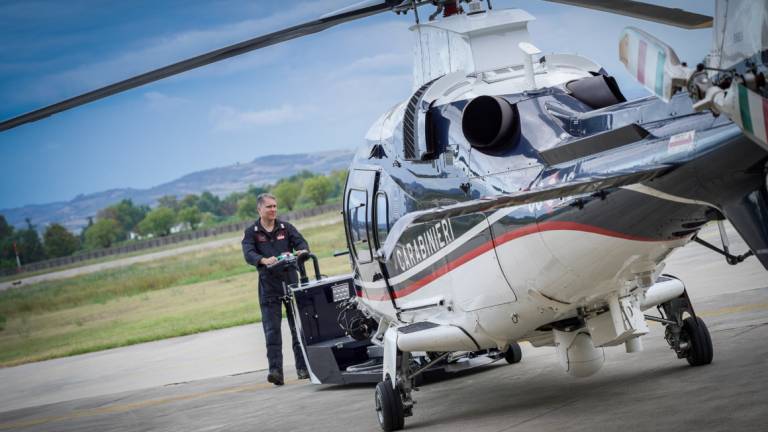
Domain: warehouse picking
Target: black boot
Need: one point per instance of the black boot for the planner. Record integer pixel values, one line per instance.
(275, 376)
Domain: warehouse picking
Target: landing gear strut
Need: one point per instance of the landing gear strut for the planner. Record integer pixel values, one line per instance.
(688, 337)
(403, 374)
(393, 401)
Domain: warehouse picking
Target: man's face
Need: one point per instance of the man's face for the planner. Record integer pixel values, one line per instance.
(268, 210)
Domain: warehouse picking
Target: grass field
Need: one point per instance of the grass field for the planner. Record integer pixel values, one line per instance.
(310, 221)
(185, 294)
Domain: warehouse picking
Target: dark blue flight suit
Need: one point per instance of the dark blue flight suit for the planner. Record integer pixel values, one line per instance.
(259, 243)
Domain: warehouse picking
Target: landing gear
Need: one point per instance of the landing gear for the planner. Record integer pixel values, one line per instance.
(513, 354)
(394, 402)
(700, 344)
(688, 337)
(389, 406)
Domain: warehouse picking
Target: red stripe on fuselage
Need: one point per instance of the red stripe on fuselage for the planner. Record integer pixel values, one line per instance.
(504, 238)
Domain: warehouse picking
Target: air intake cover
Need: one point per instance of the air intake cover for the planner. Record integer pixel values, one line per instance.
(489, 122)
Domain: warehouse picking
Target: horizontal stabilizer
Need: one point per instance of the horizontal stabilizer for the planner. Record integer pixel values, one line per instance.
(594, 144)
(536, 194)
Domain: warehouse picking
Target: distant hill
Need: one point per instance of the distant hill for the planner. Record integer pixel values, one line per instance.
(219, 181)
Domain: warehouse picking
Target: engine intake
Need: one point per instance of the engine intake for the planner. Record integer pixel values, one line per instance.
(488, 122)
(597, 91)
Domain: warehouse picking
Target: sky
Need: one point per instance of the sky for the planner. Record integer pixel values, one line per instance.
(321, 92)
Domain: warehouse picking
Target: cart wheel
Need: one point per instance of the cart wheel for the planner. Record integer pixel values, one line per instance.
(700, 352)
(513, 354)
(389, 407)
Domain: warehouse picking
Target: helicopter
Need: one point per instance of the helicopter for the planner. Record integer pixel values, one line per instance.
(519, 196)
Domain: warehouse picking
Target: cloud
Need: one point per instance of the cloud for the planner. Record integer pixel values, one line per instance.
(161, 51)
(226, 118)
(376, 64)
(162, 102)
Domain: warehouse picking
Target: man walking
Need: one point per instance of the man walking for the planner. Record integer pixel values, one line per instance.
(263, 242)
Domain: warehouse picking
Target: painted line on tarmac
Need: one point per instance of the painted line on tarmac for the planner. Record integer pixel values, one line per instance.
(733, 309)
(115, 409)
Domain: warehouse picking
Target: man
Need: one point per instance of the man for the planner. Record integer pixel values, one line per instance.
(263, 242)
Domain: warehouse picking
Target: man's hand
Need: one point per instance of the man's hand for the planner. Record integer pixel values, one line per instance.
(268, 261)
(301, 252)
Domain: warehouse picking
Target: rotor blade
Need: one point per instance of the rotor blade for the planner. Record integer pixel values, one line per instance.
(645, 11)
(360, 10)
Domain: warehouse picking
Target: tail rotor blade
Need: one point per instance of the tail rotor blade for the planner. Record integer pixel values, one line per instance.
(653, 63)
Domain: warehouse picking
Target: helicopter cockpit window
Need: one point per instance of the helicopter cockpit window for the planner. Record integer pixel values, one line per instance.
(382, 218)
(357, 221)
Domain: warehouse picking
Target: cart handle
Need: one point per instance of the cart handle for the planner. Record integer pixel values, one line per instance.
(302, 269)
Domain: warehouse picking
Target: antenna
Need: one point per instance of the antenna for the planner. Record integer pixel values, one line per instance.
(415, 10)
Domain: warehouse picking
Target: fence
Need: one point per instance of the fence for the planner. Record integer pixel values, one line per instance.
(163, 241)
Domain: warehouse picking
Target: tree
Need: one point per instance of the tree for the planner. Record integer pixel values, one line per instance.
(299, 177)
(287, 193)
(190, 200)
(126, 214)
(6, 230)
(190, 216)
(247, 208)
(169, 202)
(256, 190)
(228, 206)
(158, 222)
(338, 179)
(209, 203)
(29, 244)
(208, 220)
(102, 234)
(317, 189)
(7, 237)
(59, 242)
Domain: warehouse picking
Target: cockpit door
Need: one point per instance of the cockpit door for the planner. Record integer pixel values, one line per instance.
(359, 213)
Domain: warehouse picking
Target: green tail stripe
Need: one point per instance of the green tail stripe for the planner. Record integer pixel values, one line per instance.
(746, 119)
(659, 85)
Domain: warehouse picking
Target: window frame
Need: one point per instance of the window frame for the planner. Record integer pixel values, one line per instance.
(353, 242)
(377, 231)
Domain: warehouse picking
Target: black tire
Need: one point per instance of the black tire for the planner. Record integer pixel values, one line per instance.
(389, 407)
(513, 354)
(700, 351)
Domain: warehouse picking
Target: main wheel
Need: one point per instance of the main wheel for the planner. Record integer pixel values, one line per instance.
(389, 407)
(700, 350)
(513, 354)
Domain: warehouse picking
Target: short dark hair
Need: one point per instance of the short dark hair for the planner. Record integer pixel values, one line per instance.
(260, 199)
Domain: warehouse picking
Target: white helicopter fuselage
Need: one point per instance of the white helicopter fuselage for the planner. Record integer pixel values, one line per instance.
(485, 289)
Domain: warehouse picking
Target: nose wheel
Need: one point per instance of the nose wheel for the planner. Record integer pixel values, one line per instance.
(696, 334)
(389, 406)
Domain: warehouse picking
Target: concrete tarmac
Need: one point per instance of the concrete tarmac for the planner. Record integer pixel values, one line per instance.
(215, 381)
